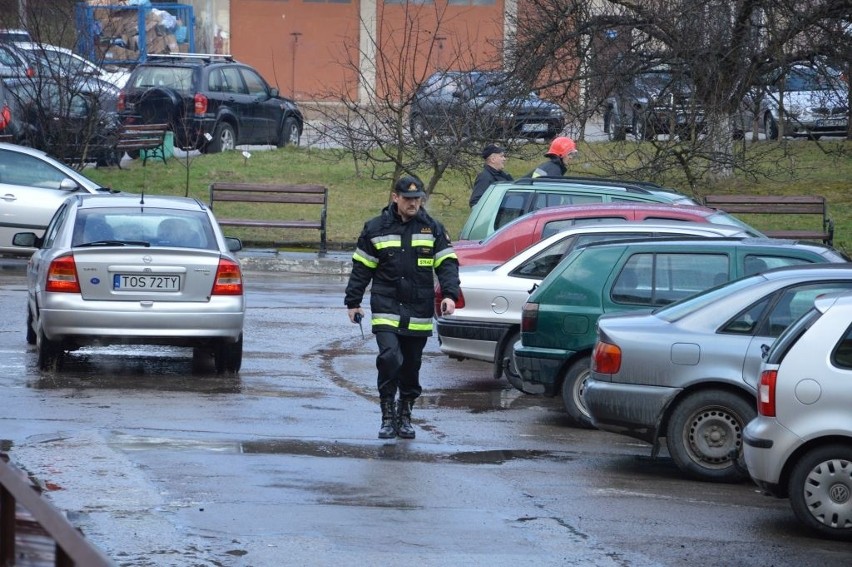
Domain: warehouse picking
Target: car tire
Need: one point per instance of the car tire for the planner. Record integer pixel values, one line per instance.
(50, 353)
(31, 334)
(160, 106)
(417, 125)
(224, 139)
(573, 386)
(770, 127)
(642, 129)
(228, 356)
(820, 490)
(109, 158)
(703, 429)
(506, 360)
(289, 133)
(614, 130)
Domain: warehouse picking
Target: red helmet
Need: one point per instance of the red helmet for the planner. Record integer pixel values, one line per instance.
(562, 147)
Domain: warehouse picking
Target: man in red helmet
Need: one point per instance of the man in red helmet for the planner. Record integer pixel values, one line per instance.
(561, 149)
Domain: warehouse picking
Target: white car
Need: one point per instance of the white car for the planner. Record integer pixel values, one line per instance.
(487, 319)
(800, 444)
(59, 61)
(32, 186)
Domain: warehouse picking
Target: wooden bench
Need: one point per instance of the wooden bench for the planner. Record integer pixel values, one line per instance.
(139, 138)
(265, 195)
(786, 205)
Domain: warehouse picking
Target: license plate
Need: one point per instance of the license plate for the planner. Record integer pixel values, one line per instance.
(830, 122)
(534, 127)
(145, 282)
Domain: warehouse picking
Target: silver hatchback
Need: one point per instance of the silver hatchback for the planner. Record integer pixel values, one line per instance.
(688, 372)
(800, 445)
(133, 269)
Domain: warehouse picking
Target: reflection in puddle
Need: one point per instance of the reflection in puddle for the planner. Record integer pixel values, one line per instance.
(138, 368)
(389, 451)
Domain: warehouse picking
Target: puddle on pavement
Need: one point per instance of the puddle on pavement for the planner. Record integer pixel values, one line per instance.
(390, 451)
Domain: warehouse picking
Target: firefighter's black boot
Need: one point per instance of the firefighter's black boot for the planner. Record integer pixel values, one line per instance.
(388, 429)
(403, 419)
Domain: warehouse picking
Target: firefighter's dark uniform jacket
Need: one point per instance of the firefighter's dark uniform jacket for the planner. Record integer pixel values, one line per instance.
(554, 167)
(400, 259)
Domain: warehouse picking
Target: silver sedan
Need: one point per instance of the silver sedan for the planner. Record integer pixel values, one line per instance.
(689, 371)
(132, 269)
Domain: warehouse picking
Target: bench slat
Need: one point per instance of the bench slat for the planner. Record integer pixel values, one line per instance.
(305, 194)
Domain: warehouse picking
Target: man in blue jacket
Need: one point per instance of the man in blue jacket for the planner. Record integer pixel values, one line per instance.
(399, 251)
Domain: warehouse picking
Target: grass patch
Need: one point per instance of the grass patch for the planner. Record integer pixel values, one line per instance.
(788, 168)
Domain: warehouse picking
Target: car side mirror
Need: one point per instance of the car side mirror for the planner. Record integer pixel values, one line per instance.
(234, 244)
(68, 184)
(26, 240)
(274, 92)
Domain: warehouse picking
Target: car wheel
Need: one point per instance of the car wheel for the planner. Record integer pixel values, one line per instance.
(228, 356)
(770, 127)
(224, 139)
(418, 127)
(642, 128)
(573, 387)
(704, 429)
(108, 158)
(289, 133)
(160, 106)
(31, 335)
(507, 359)
(612, 126)
(50, 352)
(820, 490)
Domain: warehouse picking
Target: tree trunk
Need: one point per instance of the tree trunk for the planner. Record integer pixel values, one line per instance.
(720, 142)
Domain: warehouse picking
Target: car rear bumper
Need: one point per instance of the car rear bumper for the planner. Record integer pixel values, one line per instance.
(766, 447)
(177, 323)
(539, 369)
(471, 339)
(629, 409)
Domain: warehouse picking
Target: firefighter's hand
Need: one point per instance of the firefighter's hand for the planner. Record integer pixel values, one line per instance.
(355, 311)
(448, 306)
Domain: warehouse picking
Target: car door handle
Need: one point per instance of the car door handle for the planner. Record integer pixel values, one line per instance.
(9, 197)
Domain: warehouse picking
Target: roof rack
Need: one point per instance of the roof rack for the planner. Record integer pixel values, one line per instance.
(628, 186)
(206, 57)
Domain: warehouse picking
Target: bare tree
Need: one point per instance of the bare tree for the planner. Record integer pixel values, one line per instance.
(375, 118)
(725, 46)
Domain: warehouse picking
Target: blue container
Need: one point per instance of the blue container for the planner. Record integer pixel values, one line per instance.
(101, 27)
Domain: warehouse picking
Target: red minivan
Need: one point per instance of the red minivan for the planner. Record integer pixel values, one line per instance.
(532, 227)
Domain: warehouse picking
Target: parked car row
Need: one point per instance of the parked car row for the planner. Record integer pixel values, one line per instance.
(656, 329)
(807, 99)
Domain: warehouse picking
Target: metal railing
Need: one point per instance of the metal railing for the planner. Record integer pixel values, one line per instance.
(71, 548)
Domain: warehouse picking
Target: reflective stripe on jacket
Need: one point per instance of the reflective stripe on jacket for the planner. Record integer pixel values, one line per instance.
(402, 260)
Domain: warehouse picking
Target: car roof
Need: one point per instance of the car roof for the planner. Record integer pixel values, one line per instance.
(564, 211)
(678, 242)
(187, 59)
(627, 226)
(134, 200)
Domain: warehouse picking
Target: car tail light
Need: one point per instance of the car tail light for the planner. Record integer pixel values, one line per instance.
(529, 317)
(5, 117)
(766, 393)
(229, 278)
(606, 358)
(62, 276)
(121, 105)
(200, 104)
(439, 297)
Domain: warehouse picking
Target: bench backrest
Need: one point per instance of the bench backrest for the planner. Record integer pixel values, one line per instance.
(766, 204)
(252, 193)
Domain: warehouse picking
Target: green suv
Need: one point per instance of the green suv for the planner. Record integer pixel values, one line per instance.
(504, 202)
(559, 319)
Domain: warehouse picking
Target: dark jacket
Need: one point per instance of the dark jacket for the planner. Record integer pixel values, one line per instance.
(483, 181)
(400, 259)
(554, 167)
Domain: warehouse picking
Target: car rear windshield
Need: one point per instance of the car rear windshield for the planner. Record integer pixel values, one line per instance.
(152, 226)
(726, 219)
(177, 78)
(684, 307)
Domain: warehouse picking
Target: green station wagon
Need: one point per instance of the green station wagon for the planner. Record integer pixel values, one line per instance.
(504, 202)
(559, 319)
